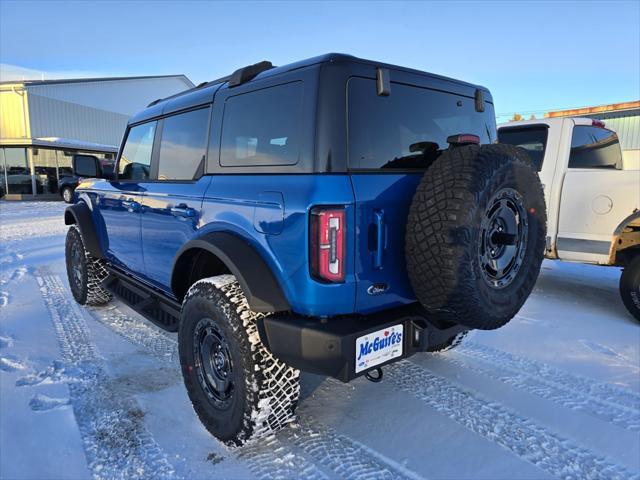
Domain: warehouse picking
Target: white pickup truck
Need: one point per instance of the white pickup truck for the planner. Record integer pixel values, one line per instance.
(592, 194)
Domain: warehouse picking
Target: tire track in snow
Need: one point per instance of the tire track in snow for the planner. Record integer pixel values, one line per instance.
(546, 450)
(159, 343)
(345, 456)
(267, 458)
(584, 386)
(117, 444)
(283, 455)
(618, 415)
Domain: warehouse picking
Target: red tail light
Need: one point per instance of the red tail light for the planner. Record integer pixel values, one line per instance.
(328, 235)
(463, 139)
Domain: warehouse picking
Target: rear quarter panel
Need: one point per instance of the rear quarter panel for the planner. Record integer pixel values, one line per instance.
(249, 207)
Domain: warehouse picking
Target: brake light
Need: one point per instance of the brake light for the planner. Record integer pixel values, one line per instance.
(463, 139)
(328, 235)
(597, 123)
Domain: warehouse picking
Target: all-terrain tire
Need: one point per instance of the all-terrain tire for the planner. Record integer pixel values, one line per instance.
(264, 391)
(630, 286)
(85, 273)
(446, 248)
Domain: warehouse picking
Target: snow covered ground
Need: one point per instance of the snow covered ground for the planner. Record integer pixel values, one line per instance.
(97, 392)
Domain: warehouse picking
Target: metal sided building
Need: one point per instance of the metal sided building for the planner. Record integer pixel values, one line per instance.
(43, 123)
(622, 118)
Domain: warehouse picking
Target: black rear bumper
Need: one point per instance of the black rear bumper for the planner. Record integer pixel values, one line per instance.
(328, 346)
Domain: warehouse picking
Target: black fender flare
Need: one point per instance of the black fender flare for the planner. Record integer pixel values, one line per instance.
(259, 284)
(80, 215)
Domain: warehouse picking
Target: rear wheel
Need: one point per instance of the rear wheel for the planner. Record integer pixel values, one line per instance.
(476, 235)
(238, 389)
(630, 286)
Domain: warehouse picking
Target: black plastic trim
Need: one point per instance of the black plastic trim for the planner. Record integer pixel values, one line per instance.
(79, 214)
(258, 283)
(328, 346)
(244, 74)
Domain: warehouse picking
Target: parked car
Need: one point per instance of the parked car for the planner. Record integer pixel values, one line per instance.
(333, 216)
(593, 198)
(67, 184)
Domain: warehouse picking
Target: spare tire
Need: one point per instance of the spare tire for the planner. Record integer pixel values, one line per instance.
(475, 235)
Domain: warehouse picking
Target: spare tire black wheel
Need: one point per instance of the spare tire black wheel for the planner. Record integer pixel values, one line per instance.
(476, 235)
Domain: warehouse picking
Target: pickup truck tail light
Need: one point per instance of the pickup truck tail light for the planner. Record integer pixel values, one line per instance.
(327, 245)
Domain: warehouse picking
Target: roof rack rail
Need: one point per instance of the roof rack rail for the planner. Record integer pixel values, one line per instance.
(244, 74)
(240, 76)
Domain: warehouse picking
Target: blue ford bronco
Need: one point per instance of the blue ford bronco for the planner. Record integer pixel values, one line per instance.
(331, 216)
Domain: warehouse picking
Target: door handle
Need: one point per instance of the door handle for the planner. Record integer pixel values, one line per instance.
(131, 205)
(182, 210)
(381, 239)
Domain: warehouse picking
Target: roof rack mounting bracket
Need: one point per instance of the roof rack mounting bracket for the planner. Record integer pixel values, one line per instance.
(383, 82)
(244, 74)
(479, 98)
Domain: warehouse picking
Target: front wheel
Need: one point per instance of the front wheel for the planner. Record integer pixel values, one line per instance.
(86, 274)
(237, 388)
(630, 287)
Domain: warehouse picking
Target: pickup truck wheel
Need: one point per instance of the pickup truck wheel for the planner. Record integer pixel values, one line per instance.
(238, 389)
(67, 194)
(630, 287)
(476, 235)
(86, 274)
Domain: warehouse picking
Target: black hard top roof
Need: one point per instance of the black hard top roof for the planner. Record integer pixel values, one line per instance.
(196, 96)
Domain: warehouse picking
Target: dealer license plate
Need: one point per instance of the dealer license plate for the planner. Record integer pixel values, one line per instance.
(378, 347)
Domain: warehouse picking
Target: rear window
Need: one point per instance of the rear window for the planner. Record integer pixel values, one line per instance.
(263, 128)
(594, 147)
(533, 139)
(409, 128)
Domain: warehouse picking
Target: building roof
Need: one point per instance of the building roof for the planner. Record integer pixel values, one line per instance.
(98, 79)
(56, 142)
(612, 107)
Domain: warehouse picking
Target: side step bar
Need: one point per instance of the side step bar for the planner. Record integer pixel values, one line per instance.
(162, 311)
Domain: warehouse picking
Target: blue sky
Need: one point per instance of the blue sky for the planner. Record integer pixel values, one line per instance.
(534, 56)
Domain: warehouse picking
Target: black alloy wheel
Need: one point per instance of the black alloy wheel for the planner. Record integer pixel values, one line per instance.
(503, 238)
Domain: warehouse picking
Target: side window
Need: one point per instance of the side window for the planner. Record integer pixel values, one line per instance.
(409, 128)
(533, 139)
(135, 162)
(183, 145)
(594, 147)
(262, 128)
